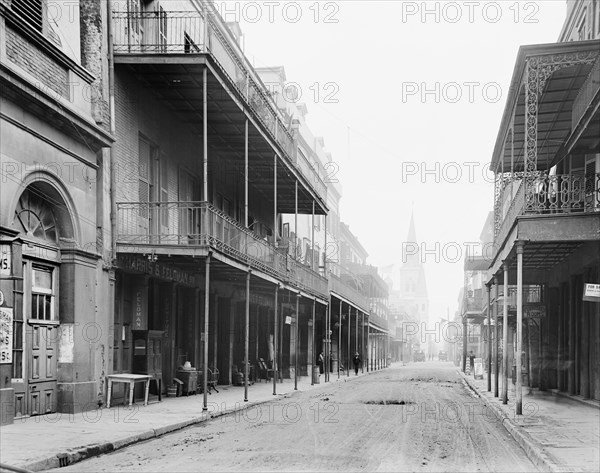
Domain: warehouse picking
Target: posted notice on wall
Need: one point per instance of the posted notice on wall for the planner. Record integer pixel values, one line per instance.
(478, 368)
(591, 292)
(6, 334)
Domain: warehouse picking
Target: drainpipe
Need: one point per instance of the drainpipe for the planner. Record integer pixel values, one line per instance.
(111, 105)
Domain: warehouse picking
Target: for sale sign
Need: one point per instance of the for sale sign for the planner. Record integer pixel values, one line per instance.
(591, 292)
(6, 334)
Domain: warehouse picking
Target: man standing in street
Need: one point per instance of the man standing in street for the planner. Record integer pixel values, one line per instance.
(356, 360)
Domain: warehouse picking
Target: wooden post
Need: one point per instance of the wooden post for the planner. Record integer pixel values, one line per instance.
(489, 335)
(247, 338)
(206, 310)
(496, 338)
(571, 347)
(348, 342)
(505, 336)
(297, 330)
(275, 334)
(519, 405)
(339, 344)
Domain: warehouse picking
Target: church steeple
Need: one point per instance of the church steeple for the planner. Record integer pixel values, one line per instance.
(410, 248)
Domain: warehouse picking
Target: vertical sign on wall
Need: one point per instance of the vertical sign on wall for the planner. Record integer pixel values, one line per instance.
(6, 334)
(140, 305)
(138, 321)
(5, 260)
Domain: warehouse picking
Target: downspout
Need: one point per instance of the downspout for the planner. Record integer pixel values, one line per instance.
(111, 93)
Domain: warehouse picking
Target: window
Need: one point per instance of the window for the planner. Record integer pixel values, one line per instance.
(581, 27)
(42, 296)
(31, 11)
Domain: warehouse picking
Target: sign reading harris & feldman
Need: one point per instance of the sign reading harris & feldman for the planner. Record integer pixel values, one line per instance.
(139, 264)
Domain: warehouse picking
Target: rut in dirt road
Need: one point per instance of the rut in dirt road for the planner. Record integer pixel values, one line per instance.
(410, 418)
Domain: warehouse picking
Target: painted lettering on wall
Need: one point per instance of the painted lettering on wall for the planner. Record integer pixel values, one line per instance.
(138, 310)
(6, 334)
(5, 260)
(157, 270)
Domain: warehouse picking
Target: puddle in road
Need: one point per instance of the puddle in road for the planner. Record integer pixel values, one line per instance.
(389, 402)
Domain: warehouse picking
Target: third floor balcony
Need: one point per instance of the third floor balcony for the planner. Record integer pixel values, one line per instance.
(167, 52)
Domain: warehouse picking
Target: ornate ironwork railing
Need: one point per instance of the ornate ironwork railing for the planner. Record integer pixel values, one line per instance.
(338, 286)
(200, 224)
(551, 194)
(202, 32)
(516, 208)
(588, 91)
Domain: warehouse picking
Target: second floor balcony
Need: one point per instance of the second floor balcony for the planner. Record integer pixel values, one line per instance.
(545, 194)
(194, 228)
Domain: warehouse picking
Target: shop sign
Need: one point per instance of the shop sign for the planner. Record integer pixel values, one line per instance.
(288, 320)
(157, 270)
(6, 335)
(591, 292)
(139, 311)
(5, 260)
(535, 310)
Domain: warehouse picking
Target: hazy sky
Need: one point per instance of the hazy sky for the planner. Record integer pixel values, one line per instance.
(408, 97)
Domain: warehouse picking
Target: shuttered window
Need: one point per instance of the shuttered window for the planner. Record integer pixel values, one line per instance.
(30, 10)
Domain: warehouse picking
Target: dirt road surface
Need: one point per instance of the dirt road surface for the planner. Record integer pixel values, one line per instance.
(418, 417)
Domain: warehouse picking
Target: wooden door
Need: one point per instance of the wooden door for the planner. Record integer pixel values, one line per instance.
(42, 386)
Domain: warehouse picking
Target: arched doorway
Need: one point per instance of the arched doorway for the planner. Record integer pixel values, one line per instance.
(42, 218)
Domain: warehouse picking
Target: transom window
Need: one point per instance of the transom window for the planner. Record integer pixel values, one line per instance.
(35, 216)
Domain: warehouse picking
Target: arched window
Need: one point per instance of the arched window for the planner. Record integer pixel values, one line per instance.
(35, 217)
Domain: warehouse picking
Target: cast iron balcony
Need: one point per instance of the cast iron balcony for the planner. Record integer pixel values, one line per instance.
(181, 34)
(545, 194)
(177, 226)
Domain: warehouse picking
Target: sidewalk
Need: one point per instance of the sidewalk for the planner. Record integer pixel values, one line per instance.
(64, 439)
(557, 433)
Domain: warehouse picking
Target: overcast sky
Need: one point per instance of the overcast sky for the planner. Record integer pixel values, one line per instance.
(406, 95)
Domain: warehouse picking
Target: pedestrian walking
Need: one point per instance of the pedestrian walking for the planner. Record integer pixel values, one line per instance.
(321, 363)
(356, 360)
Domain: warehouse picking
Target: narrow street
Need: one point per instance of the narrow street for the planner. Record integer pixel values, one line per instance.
(418, 417)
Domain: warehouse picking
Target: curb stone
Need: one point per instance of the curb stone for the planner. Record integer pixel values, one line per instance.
(533, 450)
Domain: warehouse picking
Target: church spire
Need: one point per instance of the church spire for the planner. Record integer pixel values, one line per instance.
(410, 248)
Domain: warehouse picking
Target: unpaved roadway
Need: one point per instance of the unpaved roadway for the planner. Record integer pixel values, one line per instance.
(418, 417)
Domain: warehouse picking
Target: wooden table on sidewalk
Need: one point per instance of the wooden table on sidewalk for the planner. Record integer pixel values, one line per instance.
(129, 379)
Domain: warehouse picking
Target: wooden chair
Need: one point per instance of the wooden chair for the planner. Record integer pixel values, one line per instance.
(264, 371)
(212, 380)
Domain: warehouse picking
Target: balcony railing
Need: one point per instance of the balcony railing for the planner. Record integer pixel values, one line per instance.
(551, 194)
(588, 91)
(181, 32)
(338, 286)
(474, 302)
(199, 224)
